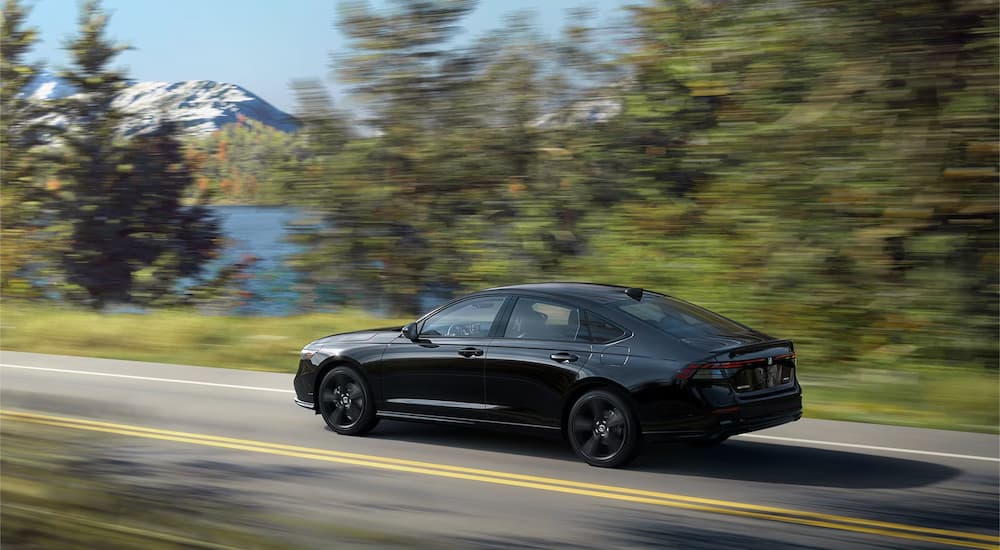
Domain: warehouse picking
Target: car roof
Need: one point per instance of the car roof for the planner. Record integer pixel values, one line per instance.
(594, 292)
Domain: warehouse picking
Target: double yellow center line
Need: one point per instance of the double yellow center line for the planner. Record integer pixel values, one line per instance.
(654, 498)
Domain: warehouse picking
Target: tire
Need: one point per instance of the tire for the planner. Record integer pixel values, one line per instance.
(346, 402)
(603, 429)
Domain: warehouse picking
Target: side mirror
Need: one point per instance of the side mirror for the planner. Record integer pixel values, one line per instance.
(410, 332)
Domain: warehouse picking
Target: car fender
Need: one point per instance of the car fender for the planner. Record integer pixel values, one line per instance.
(335, 357)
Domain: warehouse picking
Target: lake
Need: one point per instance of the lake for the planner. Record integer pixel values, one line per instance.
(260, 232)
(271, 287)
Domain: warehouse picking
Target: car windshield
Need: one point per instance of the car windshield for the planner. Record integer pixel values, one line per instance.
(678, 318)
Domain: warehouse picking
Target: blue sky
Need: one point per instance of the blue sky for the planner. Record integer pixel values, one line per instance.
(261, 45)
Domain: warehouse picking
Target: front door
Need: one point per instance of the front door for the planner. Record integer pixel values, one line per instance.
(441, 374)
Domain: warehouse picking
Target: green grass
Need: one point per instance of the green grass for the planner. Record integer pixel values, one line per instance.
(182, 337)
(960, 399)
(964, 400)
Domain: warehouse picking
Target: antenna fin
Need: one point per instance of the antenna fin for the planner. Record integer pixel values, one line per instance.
(634, 293)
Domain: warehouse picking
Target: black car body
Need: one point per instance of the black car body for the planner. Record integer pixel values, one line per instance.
(600, 364)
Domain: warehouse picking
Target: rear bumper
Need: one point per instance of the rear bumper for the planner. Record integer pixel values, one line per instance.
(748, 417)
(752, 425)
(763, 414)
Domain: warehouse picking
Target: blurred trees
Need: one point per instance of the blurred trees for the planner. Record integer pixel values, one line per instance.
(824, 170)
(454, 182)
(20, 134)
(386, 193)
(244, 163)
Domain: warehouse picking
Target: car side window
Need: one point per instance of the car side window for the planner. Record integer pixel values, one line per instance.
(468, 318)
(541, 320)
(599, 330)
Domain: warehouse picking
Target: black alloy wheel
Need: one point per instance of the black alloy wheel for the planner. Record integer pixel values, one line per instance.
(603, 430)
(345, 402)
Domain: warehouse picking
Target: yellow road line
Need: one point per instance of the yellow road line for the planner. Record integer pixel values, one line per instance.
(521, 477)
(829, 521)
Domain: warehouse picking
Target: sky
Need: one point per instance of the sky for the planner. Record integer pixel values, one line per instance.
(261, 45)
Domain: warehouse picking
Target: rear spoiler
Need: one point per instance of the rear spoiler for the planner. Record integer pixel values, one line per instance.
(734, 350)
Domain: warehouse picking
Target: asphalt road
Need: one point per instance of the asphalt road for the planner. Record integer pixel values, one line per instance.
(228, 436)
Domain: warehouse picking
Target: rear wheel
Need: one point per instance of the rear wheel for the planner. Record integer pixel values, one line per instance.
(346, 402)
(602, 429)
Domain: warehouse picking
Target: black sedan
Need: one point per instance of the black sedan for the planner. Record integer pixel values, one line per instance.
(608, 367)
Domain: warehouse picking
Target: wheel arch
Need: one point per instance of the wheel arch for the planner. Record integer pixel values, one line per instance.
(585, 385)
(337, 361)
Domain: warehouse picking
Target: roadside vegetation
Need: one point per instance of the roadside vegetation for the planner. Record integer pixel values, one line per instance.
(177, 336)
(909, 395)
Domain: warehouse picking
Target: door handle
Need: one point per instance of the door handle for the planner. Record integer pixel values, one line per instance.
(563, 357)
(470, 352)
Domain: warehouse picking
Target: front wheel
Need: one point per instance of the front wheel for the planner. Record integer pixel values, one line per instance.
(602, 429)
(346, 402)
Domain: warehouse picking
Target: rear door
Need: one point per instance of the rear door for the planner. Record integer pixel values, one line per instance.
(531, 364)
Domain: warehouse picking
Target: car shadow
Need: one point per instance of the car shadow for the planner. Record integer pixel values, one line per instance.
(735, 459)
(786, 464)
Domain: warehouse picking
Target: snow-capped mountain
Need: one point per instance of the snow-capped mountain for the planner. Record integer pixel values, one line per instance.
(47, 86)
(587, 111)
(199, 107)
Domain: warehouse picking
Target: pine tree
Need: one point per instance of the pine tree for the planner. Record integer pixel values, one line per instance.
(16, 128)
(131, 237)
(21, 195)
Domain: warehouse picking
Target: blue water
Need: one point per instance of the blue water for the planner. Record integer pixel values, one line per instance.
(270, 286)
(258, 235)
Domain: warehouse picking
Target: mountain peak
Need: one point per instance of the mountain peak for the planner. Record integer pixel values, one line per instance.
(198, 107)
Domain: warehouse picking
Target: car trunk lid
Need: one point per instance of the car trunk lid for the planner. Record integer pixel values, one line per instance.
(726, 340)
(748, 368)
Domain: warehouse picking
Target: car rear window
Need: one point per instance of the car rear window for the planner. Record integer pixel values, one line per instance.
(678, 318)
(541, 320)
(599, 330)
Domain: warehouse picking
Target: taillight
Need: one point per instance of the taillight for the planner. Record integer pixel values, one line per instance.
(726, 369)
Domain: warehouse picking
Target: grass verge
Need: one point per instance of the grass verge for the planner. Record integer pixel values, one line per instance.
(961, 399)
(176, 336)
